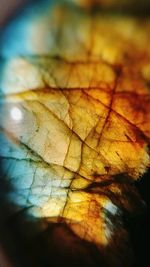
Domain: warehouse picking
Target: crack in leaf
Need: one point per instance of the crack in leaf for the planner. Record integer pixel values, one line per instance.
(85, 128)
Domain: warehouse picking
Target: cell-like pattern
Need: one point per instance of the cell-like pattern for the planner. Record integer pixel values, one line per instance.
(75, 120)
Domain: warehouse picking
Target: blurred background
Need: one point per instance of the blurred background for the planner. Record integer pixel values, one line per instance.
(8, 7)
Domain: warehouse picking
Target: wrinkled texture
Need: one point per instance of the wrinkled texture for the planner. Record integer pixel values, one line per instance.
(81, 83)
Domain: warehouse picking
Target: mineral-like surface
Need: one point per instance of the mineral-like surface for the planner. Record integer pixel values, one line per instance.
(75, 120)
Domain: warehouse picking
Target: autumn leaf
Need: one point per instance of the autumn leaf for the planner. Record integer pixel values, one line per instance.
(75, 121)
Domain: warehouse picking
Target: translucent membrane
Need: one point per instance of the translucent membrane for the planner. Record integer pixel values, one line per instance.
(75, 119)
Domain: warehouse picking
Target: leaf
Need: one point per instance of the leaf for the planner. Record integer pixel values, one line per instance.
(82, 135)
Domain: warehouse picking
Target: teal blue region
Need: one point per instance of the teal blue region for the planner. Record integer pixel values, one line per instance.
(32, 182)
(16, 171)
(3, 63)
(15, 40)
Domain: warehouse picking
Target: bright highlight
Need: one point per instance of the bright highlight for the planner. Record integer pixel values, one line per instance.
(16, 114)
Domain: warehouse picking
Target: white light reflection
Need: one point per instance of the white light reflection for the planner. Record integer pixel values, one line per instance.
(16, 114)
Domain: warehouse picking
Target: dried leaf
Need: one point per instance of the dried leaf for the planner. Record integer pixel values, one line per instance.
(75, 122)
